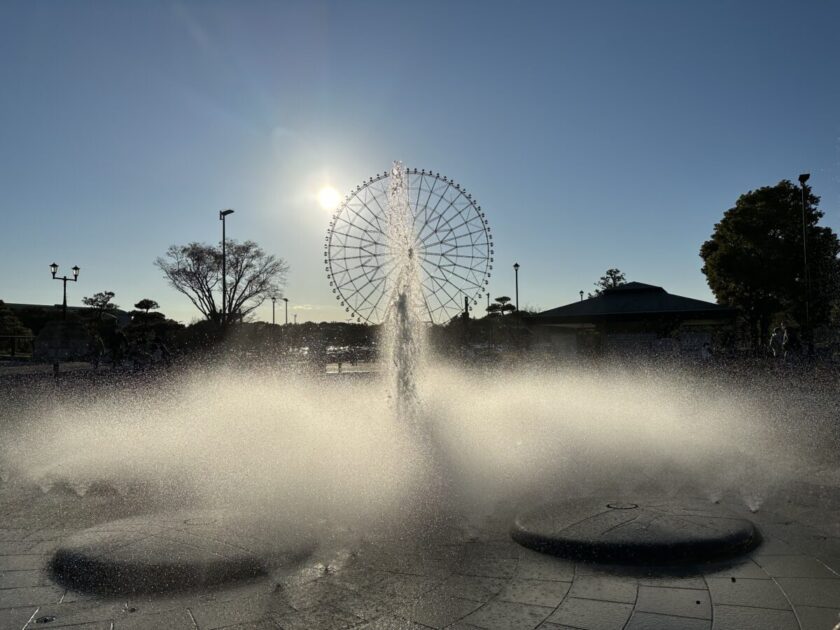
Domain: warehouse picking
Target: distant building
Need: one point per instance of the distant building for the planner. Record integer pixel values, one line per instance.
(634, 318)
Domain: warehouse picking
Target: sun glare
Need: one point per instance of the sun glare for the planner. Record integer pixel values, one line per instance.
(328, 197)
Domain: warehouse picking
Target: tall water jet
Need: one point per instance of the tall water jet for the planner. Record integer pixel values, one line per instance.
(403, 328)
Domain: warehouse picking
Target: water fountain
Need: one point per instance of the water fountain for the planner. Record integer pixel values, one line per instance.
(226, 474)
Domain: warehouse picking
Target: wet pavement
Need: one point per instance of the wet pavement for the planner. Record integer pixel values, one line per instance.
(473, 577)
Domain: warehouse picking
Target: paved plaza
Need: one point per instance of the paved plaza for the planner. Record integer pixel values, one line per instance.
(470, 578)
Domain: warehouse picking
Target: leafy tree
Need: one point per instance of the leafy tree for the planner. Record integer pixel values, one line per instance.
(9, 323)
(500, 306)
(196, 271)
(146, 305)
(100, 303)
(754, 259)
(611, 279)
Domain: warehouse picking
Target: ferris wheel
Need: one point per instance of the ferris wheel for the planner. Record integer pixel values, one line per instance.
(452, 241)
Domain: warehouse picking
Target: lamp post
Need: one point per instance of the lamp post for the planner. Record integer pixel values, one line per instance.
(581, 296)
(286, 300)
(273, 300)
(222, 215)
(802, 179)
(516, 273)
(65, 280)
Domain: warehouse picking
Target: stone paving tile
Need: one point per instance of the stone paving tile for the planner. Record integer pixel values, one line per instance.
(673, 582)
(91, 625)
(15, 547)
(171, 620)
(545, 568)
(356, 578)
(747, 618)
(681, 602)
(498, 615)
(746, 592)
(743, 569)
(604, 588)
(22, 579)
(227, 613)
(832, 562)
(795, 566)
(536, 592)
(400, 585)
(21, 562)
(82, 612)
(321, 618)
(810, 592)
(393, 623)
(16, 617)
(312, 594)
(260, 624)
(364, 605)
(497, 550)
(589, 614)
(34, 596)
(812, 618)
(479, 589)
(439, 611)
(495, 567)
(13, 534)
(653, 621)
(775, 547)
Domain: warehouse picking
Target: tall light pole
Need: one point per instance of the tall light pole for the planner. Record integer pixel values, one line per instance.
(802, 179)
(516, 273)
(286, 300)
(273, 300)
(65, 280)
(222, 215)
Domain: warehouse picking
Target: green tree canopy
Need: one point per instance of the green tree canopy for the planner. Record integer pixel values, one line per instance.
(611, 279)
(100, 303)
(10, 324)
(146, 305)
(754, 258)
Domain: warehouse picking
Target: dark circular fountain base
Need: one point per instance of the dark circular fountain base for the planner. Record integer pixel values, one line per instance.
(166, 553)
(635, 531)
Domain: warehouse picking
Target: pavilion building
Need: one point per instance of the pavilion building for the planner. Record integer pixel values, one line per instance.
(634, 318)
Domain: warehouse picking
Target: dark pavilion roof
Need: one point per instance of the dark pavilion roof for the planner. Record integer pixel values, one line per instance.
(634, 300)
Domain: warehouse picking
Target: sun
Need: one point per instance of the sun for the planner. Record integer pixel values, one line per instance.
(329, 198)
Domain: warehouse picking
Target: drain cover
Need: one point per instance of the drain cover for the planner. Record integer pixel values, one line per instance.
(641, 531)
(171, 552)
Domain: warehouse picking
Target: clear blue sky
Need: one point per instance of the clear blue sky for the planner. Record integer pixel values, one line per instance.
(594, 134)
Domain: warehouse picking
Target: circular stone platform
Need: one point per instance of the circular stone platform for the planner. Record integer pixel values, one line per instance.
(622, 530)
(171, 552)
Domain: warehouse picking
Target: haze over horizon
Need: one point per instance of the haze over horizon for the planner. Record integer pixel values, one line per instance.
(593, 135)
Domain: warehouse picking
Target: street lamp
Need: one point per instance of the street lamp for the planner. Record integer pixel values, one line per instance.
(65, 280)
(581, 296)
(222, 215)
(286, 300)
(802, 179)
(516, 272)
(273, 300)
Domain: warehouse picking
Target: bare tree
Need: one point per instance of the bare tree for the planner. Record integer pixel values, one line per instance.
(196, 271)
